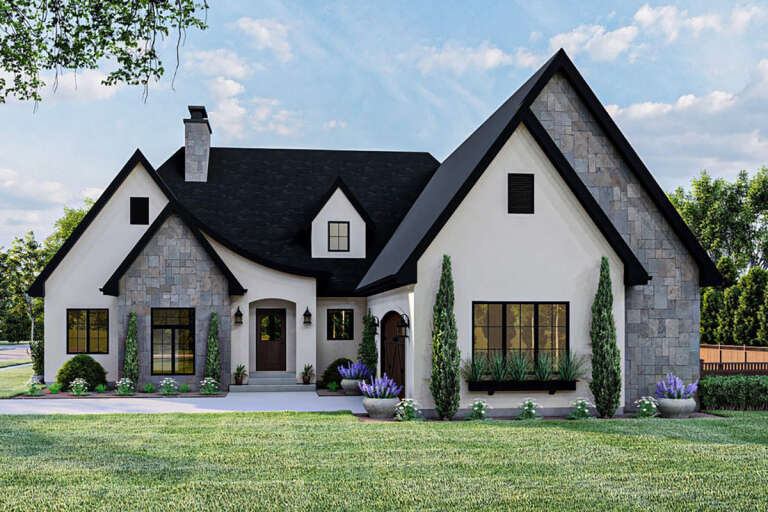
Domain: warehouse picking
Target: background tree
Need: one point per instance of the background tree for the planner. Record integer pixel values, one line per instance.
(762, 321)
(745, 323)
(725, 320)
(711, 311)
(64, 227)
(38, 36)
(213, 352)
(367, 351)
(23, 262)
(606, 364)
(131, 359)
(445, 384)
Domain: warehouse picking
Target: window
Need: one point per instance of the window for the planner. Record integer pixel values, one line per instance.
(340, 324)
(87, 331)
(523, 327)
(338, 236)
(520, 193)
(173, 341)
(139, 210)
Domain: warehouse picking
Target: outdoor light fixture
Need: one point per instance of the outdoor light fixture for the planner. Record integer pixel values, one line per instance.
(402, 326)
(238, 316)
(376, 322)
(307, 317)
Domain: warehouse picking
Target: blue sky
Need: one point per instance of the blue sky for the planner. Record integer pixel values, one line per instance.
(687, 83)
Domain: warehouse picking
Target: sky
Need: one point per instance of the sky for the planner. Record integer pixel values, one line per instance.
(686, 82)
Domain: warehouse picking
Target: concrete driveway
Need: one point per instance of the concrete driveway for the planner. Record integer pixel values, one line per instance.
(10, 352)
(233, 402)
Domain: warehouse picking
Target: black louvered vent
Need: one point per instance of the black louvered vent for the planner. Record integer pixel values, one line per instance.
(139, 210)
(520, 195)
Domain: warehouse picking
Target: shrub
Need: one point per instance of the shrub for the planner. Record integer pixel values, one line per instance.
(148, 388)
(445, 384)
(34, 387)
(36, 352)
(475, 369)
(333, 386)
(745, 324)
(711, 310)
(101, 388)
(209, 386)
(125, 387)
(673, 387)
(382, 387)
(79, 387)
(528, 410)
(184, 388)
(331, 374)
(725, 321)
(570, 367)
(737, 392)
(519, 366)
(542, 370)
(498, 368)
(367, 351)
(81, 366)
(647, 407)
(407, 410)
(131, 360)
(580, 410)
(169, 386)
(213, 352)
(54, 388)
(606, 365)
(356, 371)
(479, 410)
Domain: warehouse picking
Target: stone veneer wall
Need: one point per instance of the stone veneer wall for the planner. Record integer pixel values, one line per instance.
(174, 271)
(662, 317)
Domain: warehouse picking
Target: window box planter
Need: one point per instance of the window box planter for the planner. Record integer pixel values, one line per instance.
(551, 386)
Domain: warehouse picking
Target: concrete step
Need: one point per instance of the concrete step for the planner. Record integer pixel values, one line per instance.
(262, 388)
(287, 378)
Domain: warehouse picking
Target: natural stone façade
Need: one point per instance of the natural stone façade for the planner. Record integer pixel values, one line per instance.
(174, 271)
(662, 317)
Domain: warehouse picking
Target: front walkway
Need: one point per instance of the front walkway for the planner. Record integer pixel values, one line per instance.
(233, 402)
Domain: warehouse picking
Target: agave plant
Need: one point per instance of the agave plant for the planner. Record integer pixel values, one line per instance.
(355, 371)
(673, 387)
(519, 364)
(543, 368)
(382, 387)
(476, 368)
(499, 368)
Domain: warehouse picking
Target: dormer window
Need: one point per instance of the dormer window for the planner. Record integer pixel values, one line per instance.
(338, 236)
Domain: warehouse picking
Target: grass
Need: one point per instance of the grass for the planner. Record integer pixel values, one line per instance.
(4, 342)
(14, 362)
(12, 381)
(305, 461)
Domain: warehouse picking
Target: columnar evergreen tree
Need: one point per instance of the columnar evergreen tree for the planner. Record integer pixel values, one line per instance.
(446, 358)
(762, 319)
(606, 364)
(745, 324)
(131, 359)
(728, 270)
(725, 321)
(367, 351)
(711, 310)
(213, 354)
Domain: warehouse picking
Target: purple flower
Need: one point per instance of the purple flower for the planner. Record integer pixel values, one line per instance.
(355, 371)
(673, 387)
(383, 387)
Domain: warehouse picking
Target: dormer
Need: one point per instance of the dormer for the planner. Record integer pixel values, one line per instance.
(340, 225)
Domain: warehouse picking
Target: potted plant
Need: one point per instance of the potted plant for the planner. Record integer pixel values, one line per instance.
(241, 376)
(352, 375)
(675, 399)
(380, 397)
(307, 373)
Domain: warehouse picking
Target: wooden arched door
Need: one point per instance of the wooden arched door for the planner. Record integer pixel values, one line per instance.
(393, 350)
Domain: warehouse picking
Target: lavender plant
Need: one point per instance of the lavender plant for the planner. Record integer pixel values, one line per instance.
(673, 387)
(355, 371)
(383, 387)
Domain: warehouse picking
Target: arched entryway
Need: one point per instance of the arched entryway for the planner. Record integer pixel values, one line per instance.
(393, 349)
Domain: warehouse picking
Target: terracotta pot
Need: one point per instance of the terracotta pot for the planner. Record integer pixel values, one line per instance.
(305, 379)
(241, 380)
(381, 408)
(676, 407)
(351, 387)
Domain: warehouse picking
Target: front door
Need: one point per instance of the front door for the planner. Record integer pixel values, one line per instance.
(393, 350)
(270, 340)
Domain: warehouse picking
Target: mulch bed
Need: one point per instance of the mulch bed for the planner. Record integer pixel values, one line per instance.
(365, 419)
(112, 394)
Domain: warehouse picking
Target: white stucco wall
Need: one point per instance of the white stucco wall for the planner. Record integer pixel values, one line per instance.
(76, 281)
(551, 255)
(338, 208)
(266, 283)
(329, 350)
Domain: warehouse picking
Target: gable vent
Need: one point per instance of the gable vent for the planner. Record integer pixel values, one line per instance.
(520, 193)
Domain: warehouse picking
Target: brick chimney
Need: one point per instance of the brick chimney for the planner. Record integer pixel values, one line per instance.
(197, 144)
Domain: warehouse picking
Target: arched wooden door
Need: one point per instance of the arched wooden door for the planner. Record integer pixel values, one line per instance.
(393, 350)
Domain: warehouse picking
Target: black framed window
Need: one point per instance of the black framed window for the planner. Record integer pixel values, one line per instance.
(173, 341)
(532, 328)
(139, 210)
(338, 236)
(87, 331)
(520, 193)
(341, 324)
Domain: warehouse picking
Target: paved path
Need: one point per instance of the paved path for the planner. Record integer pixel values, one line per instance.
(15, 366)
(9, 352)
(233, 402)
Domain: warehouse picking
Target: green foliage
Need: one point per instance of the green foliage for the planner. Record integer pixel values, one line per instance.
(476, 368)
(726, 318)
(148, 388)
(745, 322)
(331, 374)
(519, 365)
(81, 366)
(100, 388)
(209, 386)
(125, 387)
(580, 410)
(333, 386)
(543, 370)
(762, 321)
(20, 265)
(729, 271)
(367, 351)
(479, 410)
(712, 302)
(213, 352)
(606, 365)
(54, 388)
(646, 407)
(169, 386)
(737, 392)
(63, 228)
(131, 359)
(79, 387)
(407, 410)
(308, 371)
(570, 367)
(37, 352)
(498, 368)
(34, 387)
(529, 410)
(184, 388)
(446, 358)
(42, 39)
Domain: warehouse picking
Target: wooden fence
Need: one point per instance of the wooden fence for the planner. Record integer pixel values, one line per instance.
(733, 354)
(733, 368)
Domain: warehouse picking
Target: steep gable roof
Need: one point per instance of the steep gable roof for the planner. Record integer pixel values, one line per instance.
(396, 263)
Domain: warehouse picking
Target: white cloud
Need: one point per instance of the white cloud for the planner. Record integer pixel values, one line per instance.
(526, 59)
(220, 62)
(741, 17)
(267, 34)
(91, 193)
(666, 19)
(222, 87)
(460, 59)
(269, 117)
(16, 187)
(715, 101)
(228, 114)
(706, 21)
(81, 87)
(596, 41)
(334, 123)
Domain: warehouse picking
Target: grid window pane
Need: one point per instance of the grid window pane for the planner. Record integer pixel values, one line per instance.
(527, 314)
(162, 350)
(481, 314)
(340, 324)
(173, 341)
(87, 331)
(338, 236)
(545, 314)
(513, 314)
(185, 351)
(77, 330)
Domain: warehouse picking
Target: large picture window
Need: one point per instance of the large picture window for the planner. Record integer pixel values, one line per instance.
(87, 331)
(173, 341)
(501, 328)
(340, 324)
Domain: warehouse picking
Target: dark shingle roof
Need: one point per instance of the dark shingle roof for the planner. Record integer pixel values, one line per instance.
(261, 202)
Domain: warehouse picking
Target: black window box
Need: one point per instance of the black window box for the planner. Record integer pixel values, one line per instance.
(551, 386)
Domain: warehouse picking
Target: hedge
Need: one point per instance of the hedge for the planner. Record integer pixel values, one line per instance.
(736, 392)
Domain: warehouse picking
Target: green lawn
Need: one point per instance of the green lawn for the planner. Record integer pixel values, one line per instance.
(14, 362)
(12, 381)
(281, 461)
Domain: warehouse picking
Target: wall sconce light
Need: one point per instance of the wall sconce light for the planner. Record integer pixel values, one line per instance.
(307, 317)
(376, 323)
(402, 326)
(238, 316)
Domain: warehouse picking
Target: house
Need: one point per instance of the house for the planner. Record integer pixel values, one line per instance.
(291, 247)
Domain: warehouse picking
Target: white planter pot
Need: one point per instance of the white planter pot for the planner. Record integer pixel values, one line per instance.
(381, 408)
(676, 407)
(350, 386)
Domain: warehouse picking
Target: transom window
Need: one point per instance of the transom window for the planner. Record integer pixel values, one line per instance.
(87, 331)
(340, 324)
(523, 327)
(338, 236)
(173, 341)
